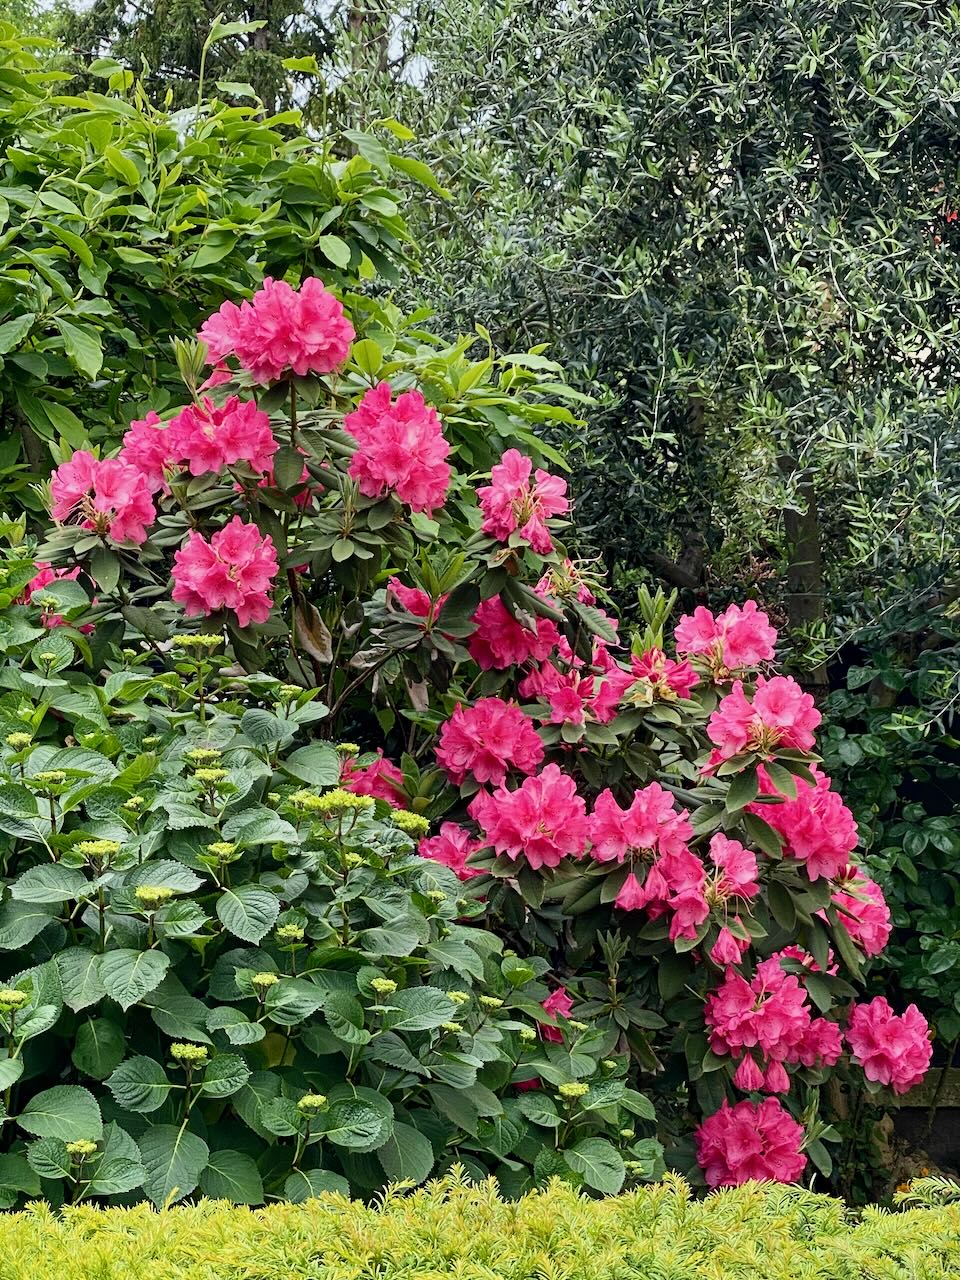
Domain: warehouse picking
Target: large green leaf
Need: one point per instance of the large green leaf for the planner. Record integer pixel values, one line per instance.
(248, 911)
(50, 882)
(140, 1084)
(80, 977)
(98, 1048)
(598, 1163)
(224, 1075)
(21, 922)
(301, 1186)
(231, 1175)
(174, 1160)
(129, 975)
(119, 1167)
(418, 1009)
(407, 1155)
(66, 1111)
(357, 1118)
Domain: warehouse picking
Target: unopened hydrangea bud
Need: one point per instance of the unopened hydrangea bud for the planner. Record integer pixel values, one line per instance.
(203, 755)
(452, 1027)
(527, 1033)
(576, 1089)
(628, 1133)
(383, 986)
(134, 803)
(289, 933)
(352, 860)
(98, 849)
(274, 798)
(202, 641)
(348, 748)
(152, 896)
(210, 776)
(436, 895)
(49, 778)
(608, 1064)
(289, 690)
(222, 849)
(264, 980)
(578, 1026)
(151, 740)
(336, 801)
(19, 741)
(490, 1002)
(11, 1000)
(47, 656)
(191, 1055)
(633, 1166)
(81, 1148)
(311, 1103)
(458, 997)
(414, 824)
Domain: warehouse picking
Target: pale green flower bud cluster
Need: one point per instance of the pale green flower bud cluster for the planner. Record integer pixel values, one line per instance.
(200, 642)
(573, 1090)
(189, 1055)
(383, 986)
(311, 1103)
(152, 896)
(11, 1000)
(414, 824)
(81, 1148)
(19, 741)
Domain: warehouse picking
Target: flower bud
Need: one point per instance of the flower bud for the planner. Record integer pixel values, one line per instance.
(576, 1089)
(383, 986)
(190, 1055)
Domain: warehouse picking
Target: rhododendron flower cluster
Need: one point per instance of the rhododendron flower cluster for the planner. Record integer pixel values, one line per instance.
(207, 437)
(771, 1015)
(486, 741)
(380, 779)
(500, 641)
(750, 1142)
(234, 570)
(862, 910)
(737, 868)
(281, 330)
(738, 638)
(780, 715)
(816, 826)
(511, 504)
(652, 824)
(147, 446)
(575, 695)
(110, 497)
(566, 581)
(451, 847)
(542, 821)
(401, 449)
(893, 1049)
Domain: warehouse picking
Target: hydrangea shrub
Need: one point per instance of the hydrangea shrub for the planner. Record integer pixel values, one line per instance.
(654, 824)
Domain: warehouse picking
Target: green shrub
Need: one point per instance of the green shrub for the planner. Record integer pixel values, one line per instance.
(219, 970)
(455, 1229)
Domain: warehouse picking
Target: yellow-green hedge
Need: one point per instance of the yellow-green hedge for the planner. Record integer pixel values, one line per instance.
(454, 1229)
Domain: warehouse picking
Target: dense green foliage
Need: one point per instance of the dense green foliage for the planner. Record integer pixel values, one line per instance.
(466, 1231)
(125, 223)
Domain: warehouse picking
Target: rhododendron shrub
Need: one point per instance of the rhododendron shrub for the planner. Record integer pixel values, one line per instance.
(646, 814)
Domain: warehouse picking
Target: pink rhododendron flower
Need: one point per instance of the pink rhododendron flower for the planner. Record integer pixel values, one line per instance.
(380, 779)
(42, 578)
(652, 823)
(737, 867)
(451, 847)
(401, 449)
(147, 446)
(281, 330)
(863, 911)
(820, 1045)
(633, 895)
(654, 675)
(234, 570)
(510, 503)
(893, 1049)
(542, 821)
(750, 1142)
(817, 827)
(748, 1076)
(415, 601)
(738, 638)
(558, 1002)
(500, 641)
(728, 948)
(110, 497)
(781, 715)
(775, 1078)
(770, 1012)
(208, 438)
(487, 740)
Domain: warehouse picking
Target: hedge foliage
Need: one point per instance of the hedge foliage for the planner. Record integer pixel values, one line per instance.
(453, 1228)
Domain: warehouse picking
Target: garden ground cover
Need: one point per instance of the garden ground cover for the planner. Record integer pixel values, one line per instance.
(456, 1229)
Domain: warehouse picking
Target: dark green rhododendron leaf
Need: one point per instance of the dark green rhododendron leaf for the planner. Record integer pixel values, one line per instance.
(173, 1160)
(66, 1111)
